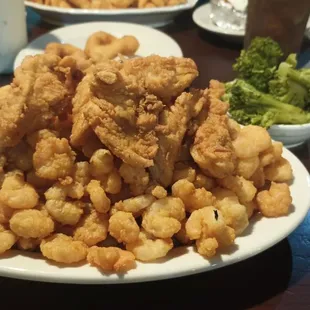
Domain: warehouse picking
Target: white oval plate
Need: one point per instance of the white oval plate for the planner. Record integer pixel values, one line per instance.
(155, 17)
(201, 17)
(261, 234)
(151, 41)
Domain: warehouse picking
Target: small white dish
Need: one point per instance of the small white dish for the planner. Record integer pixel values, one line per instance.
(201, 17)
(151, 41)
(155, 17)
(261, 234)
(290, 135)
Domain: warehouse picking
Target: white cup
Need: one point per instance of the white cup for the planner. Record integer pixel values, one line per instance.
(13, 32)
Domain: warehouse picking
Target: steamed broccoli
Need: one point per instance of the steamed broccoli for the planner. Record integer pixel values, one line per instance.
(250, 106)
(257, 64)
(290, 85)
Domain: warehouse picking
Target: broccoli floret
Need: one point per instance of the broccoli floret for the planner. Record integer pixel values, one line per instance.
(259, 62)
(289, 89)
(250, 106)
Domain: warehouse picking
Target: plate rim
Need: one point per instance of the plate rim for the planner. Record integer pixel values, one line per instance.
(129, 11)
(116, 279)
(94, 24)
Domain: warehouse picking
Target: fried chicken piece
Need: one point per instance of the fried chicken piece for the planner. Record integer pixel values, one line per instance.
(114, 102)
(53, 158)
(111, 259)
(275, 202)
(171, 130)
(37, 94)
(63, 249)
(212, 149)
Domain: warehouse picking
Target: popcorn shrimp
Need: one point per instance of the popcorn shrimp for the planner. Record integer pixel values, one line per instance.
(251, 141)
(137, 178)
(31, 224)
(244, 189)
(53, 158)
(163, 217)
(17, 194)
(98, 197)
(7, 239)
(280, 171)
(63, 249)
(111, 259)
(112, 182)
(101, 163)
(275, 202)
(39, 135)
(92, 228)
(207, 226)
(246, 167)
(148, 248)
(123, 227)
(157, 191)
(193, 198)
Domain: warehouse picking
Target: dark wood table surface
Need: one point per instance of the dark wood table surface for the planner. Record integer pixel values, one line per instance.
(278, 278)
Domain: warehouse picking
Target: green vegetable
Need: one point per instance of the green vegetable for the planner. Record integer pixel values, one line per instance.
(258, 64)
(251, 106)
(290, 85)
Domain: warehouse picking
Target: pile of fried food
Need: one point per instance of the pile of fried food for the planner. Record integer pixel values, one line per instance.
(109, 4)
(121, 161)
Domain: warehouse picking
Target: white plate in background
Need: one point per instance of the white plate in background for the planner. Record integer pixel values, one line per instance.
(261, 234)
(154, 17)
(151, 41)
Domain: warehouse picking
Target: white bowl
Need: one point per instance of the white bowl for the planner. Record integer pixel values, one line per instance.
(290, 135)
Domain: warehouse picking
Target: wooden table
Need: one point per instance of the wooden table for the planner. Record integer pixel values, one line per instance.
(278, 279)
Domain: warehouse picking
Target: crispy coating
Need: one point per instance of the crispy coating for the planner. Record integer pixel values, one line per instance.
(251, 141)
(272, 154)
(37, 94)
(163, 217)
(134, 205)
(235, 214)
(244, 189)
(31, 224)
(148, 248)
(5, 213)
(184, 171)
(101, 163)
(53, 158)
(207, 226)
(275, 202)
(193, 198)
(63, 249)
(172, 127)
(20, 156)
(7, 239)
(17, 194)
(157, 191)
(246, 167)
(28, 244)
(123, 227)
(42, 134)
(111, 259)
(137, 178)
(203, 181)
(98, 197)
(92, 228)
(112, 182)
(212, 149)
(280, 171)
